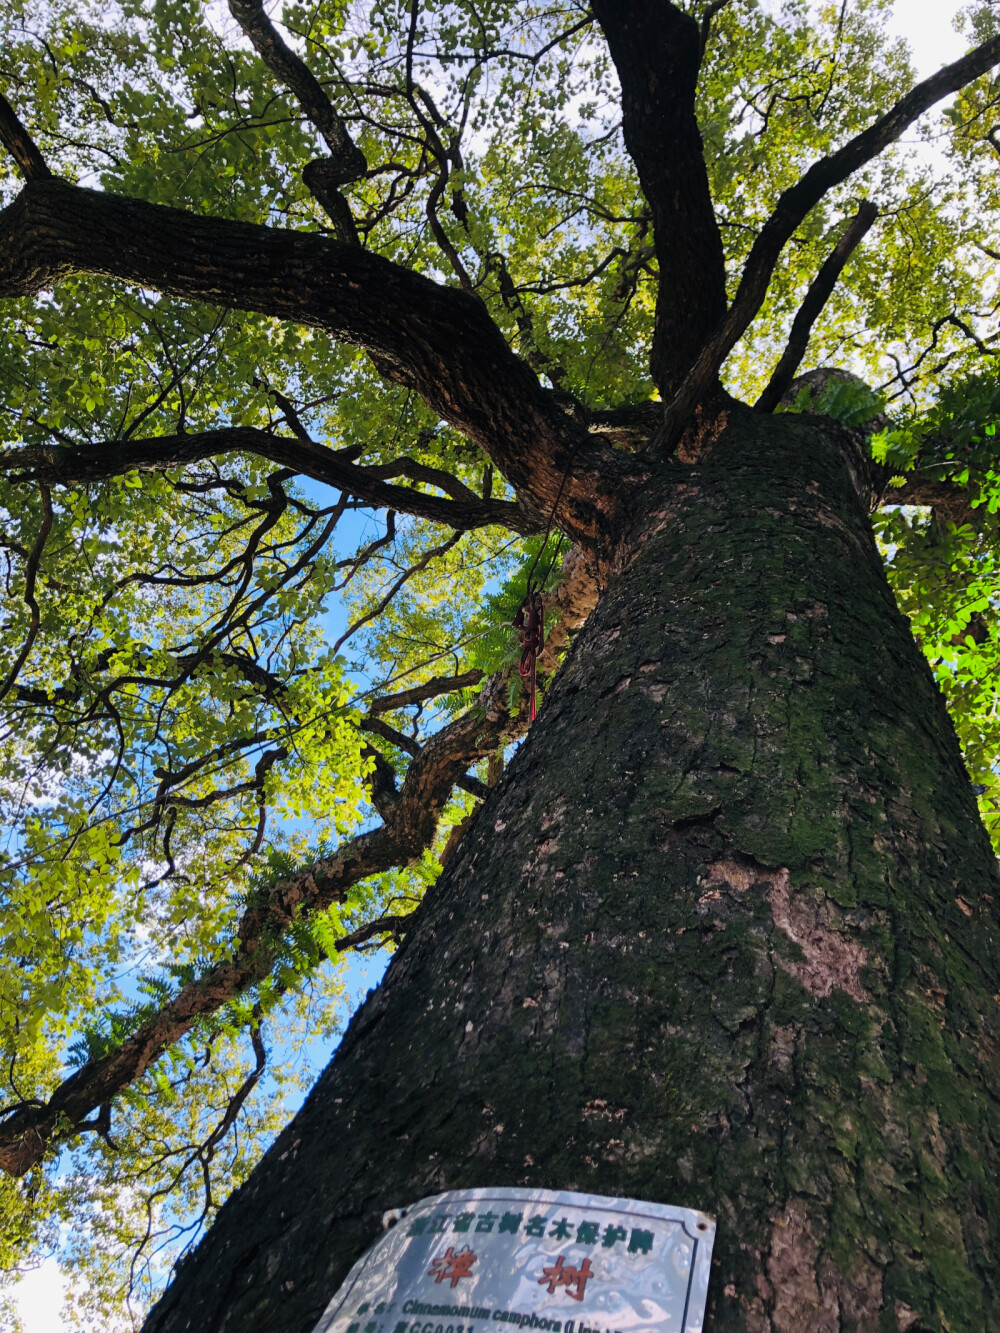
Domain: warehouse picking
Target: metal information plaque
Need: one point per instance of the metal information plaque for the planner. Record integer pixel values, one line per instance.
(500, 1260)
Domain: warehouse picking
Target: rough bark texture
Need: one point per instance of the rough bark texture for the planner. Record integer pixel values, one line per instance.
(725, 935)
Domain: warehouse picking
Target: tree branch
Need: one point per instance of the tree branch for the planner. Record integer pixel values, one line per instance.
(657, 52)
(409, 827)
(346, 162)
(59, 466)
(791, 209)
(385, 925)
(434, 339)
(629, 427)
(19, 143)
(411, 746)
(706, 24)
(408, 744)
(948, 501)
(430, 689)
(430, 476)
(432, 553)
(400, 840)
(30, 579)
(815, 299)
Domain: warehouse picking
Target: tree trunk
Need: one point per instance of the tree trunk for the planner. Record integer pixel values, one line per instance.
(724, 936)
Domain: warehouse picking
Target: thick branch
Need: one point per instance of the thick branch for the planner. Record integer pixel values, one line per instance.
(346, 161)
(435, 340)
(657, 52)
(706, 23)
(628, 427)
(949, 501)
(816, 298)
(430, 689)
(410, 822)
(430, 476)
(19, 143)
(792, 208)
(56, 465)
(408, 744)
(411, 746)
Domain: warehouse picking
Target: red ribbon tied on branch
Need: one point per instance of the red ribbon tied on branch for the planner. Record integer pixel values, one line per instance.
(530, 625)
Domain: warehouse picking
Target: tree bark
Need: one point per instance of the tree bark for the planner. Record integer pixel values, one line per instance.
(725, 935)
(657, 52)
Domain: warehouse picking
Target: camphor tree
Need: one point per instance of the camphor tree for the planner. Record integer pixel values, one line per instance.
(457, 313)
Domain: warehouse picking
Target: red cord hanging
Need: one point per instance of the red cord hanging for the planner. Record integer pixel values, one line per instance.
(530, 619)
(530, 625)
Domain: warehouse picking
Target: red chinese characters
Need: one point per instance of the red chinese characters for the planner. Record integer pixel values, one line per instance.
(451, 1266)
(563, 1275)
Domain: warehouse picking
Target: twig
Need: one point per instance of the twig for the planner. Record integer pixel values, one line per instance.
(406, 575)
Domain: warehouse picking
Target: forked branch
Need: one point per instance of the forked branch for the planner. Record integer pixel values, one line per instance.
(792, 208)
(657, 52)
(346, 162)
(59, 466)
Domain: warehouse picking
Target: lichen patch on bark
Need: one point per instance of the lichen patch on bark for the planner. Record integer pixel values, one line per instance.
(830, 960)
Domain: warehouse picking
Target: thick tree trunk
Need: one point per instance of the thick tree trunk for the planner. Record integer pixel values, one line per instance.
(725, 936)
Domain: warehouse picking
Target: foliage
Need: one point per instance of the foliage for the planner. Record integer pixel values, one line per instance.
(848, 400)
(945, 572)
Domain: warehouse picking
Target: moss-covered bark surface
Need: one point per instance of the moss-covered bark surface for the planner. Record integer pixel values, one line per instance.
(725, 936)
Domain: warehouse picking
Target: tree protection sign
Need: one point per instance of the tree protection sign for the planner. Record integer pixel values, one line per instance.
(496, 1260)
